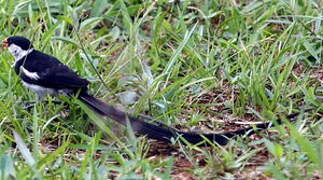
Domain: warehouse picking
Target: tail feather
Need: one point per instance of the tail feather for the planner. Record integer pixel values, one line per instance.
(138, 125)
(159, 132)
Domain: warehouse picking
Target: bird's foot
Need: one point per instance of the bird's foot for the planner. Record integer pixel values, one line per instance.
(28, 106)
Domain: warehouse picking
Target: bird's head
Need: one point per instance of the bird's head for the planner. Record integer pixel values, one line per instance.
(17, 45)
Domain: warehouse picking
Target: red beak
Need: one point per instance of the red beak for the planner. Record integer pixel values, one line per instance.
(5, 43)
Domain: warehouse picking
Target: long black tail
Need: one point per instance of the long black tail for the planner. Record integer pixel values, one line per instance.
(161, 132)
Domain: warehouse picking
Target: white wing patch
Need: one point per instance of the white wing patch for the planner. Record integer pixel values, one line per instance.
(31, 75)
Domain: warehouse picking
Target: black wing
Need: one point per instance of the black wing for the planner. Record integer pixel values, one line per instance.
(51, 73)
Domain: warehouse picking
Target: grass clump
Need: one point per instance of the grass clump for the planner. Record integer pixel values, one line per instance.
(195, 65)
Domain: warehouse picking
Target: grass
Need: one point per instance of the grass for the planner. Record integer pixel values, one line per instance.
(195, 65)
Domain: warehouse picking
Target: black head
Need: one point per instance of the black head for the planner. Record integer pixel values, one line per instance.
(20, 41)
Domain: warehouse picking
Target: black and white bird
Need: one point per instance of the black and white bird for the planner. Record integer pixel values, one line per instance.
(45, 74)
(42, 73)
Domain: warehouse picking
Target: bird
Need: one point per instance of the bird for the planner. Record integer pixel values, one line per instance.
(46, 75)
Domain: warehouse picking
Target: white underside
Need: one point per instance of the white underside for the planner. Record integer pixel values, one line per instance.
(41, 91)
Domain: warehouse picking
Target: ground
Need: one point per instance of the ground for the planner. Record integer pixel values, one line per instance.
(203, 66)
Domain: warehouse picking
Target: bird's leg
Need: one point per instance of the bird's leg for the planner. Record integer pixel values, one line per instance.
(40, 96)
(28, 105)
(31, 104)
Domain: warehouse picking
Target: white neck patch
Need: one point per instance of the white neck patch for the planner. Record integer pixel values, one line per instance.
(18, 53)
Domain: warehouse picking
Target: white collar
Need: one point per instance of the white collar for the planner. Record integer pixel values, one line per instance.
(22, 55)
